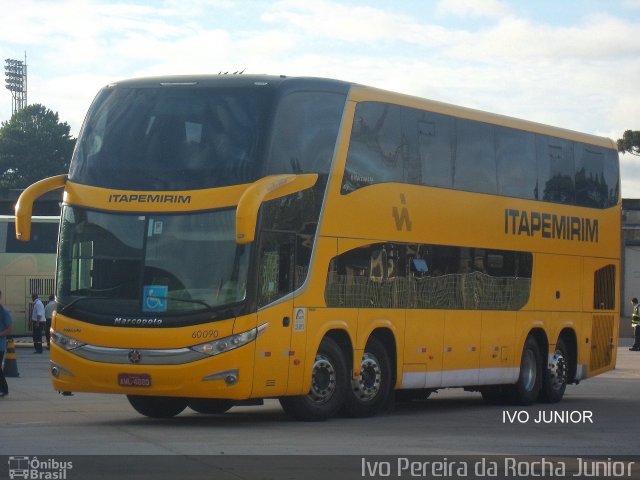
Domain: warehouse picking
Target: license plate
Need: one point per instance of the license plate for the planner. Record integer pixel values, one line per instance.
(134, 380)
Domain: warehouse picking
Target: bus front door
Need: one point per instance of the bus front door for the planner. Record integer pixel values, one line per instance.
(276, 282)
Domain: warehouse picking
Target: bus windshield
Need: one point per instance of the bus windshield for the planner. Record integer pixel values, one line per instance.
(172, 138)
(150, 265)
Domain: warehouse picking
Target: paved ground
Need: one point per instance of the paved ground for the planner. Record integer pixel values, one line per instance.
(36, 420)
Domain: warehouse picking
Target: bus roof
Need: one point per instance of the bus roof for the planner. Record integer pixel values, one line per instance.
(235, 81)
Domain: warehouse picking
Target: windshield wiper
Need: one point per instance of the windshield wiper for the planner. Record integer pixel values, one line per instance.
(96, 297)
(79, 299)
(71, 304)
(211, 308)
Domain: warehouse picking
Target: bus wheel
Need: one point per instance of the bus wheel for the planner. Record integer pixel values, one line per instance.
(556, 375)
(370, 392)
(329, 384)
(527, 388)
(210, 406)
(157, 407)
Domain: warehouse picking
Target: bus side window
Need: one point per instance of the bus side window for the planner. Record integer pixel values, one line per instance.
(276, 266)
(304, 135)
(288, 226)
(376, 151)
(611, 176)
(434, 147)
(475, 162)
(377, 265)
(591, 187)
(555, 170)
(516, 163)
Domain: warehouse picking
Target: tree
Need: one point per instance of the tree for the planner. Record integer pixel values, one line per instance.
(33, 145)
(630, 142)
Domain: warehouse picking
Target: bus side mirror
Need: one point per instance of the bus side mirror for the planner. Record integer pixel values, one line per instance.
(24, 206)
(267, 188)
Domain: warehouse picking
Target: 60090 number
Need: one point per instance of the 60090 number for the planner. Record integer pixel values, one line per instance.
(205, 334)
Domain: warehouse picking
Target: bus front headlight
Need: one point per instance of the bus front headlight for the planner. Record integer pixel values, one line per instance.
(63, 341)
(226, 344)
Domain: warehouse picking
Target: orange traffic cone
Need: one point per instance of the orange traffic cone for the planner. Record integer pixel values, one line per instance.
(10, 364)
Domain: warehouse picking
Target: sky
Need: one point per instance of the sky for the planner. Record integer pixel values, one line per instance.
(569, 63)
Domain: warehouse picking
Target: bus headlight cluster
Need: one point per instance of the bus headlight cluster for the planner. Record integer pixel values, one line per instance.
(226, 344)
(68, 343)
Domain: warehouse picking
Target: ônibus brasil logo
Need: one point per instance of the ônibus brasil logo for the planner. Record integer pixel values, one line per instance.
(35, 469)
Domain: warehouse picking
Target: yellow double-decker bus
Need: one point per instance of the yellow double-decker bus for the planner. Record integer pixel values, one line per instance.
(226, 239)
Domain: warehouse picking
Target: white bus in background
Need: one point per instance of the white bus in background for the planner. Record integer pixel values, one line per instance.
(27, 267)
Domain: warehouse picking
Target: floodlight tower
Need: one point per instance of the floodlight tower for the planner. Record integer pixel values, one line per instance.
(15, 72)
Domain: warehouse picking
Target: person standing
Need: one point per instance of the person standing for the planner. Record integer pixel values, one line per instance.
(5, 329)
(635, 323)
(37, 322)
(48, 314)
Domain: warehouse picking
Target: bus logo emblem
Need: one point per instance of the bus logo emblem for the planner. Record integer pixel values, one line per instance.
(401, 215)
(134, 356)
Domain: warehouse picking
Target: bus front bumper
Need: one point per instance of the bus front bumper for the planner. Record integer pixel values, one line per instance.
(227, 375)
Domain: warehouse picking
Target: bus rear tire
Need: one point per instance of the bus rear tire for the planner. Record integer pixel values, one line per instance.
(329, 384)
(157, 407)
(529, 383)
(556, 374)
(527, 389)
(371, 391)
(210, 406)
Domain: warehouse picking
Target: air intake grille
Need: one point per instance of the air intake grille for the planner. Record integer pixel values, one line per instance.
(601, 341)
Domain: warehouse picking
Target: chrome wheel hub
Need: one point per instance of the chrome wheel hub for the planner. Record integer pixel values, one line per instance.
(323, 380)
(558, 370)
(367, 385)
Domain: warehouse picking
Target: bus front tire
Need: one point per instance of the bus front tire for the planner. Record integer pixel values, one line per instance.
(210, 406)
(370, 392)
(556, 374)
(157, 407)
(329, 384)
